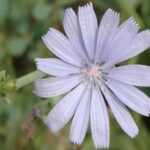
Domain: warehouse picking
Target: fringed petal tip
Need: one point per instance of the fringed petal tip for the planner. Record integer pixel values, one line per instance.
(135, 135)
(97, 146)
(52, 128)
(102, 146)
(132, 19)
(111, 11)
(89, 4)
(53, 120)
(37, 62)
(68, 12)
(75, 142)
(45, 36)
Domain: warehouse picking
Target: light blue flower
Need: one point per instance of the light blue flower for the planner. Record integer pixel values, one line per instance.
(86, 70)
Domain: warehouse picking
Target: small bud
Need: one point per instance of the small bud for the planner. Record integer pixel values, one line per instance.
(7, 85)
(10, 85)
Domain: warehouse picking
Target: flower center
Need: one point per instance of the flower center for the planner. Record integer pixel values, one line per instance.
(94, 71)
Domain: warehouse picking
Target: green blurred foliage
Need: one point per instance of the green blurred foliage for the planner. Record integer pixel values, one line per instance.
(22, 24)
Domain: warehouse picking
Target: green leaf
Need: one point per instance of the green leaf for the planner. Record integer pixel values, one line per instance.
(16, 46)
(41, 11)
(4, 8)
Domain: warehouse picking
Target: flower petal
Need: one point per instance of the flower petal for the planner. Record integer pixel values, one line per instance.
(99, 120)
(121, 113)
(56, 67)
(107, 30)
(123, 38)
(64, 110)
(81, 118)
(89, 28)
(138, 75)
(139, 44)
(61, 47)
(131, 96)
(72, 29)
(49, 87)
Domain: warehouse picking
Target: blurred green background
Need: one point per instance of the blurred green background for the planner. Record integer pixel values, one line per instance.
(22, 23)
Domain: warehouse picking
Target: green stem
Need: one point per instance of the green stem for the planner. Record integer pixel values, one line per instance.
(27, 79)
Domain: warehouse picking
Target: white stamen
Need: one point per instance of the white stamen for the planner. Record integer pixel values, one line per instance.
(94, 71)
